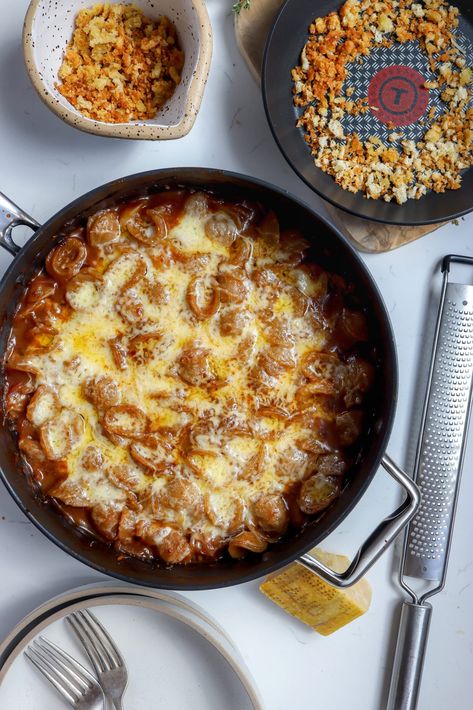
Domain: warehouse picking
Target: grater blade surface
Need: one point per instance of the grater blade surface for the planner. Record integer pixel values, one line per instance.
(441, 447)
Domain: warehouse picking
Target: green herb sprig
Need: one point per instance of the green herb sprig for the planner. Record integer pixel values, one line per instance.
(241, 5)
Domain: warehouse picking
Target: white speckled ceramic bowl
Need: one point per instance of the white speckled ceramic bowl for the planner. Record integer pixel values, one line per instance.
(48, 28)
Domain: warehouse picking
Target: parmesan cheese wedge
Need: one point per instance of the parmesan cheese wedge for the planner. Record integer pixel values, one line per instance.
(313, 601)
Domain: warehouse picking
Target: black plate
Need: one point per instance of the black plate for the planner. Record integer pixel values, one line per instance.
(285, 42)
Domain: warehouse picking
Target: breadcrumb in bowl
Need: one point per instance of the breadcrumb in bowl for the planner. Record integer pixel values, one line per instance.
(120, 69)
(120, 65)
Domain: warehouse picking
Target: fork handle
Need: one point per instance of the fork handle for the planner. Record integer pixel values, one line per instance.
(117, 704)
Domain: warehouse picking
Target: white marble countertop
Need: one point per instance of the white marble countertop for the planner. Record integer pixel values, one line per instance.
(44, 165)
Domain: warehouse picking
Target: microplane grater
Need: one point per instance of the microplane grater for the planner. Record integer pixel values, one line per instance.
(442, 437)
(437, 472)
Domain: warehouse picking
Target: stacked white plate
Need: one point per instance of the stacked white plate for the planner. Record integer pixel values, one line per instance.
(177, 655)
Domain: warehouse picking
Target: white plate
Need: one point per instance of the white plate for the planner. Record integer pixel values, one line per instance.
(177, 657)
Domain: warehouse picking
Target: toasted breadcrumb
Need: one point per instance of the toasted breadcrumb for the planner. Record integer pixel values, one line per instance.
(384, 171)
(120, 66)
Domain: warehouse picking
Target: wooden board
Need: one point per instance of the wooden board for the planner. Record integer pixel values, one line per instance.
(251, 29)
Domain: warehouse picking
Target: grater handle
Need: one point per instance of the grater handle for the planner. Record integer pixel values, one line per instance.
(409, 656)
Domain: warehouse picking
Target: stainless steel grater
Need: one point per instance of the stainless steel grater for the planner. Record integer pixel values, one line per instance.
(437, 472)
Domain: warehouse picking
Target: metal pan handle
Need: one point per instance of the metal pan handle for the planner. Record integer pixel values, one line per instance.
(379, 539)
(11, 216)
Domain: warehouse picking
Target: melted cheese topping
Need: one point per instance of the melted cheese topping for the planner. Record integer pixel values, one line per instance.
(206, 395)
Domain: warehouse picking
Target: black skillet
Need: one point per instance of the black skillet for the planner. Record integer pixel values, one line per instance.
(332, 251)
(390, 71)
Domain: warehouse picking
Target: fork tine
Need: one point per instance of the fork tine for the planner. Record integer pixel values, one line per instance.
(78, 672)
(46, 669)
(98, 637)
(104, 636)
(77, 626)
(60, 669)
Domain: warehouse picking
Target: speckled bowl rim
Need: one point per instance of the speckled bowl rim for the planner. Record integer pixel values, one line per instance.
(142, 131)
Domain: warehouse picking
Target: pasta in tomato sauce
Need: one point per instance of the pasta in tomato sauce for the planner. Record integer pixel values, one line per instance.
(183, 379)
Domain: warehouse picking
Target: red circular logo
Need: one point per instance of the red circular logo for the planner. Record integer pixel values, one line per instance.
(398, 95)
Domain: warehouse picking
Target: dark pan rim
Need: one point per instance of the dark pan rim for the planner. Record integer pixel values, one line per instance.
(164, 575)
(265, 89)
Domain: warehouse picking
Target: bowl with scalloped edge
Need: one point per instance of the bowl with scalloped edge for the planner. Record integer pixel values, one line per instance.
(48, 28)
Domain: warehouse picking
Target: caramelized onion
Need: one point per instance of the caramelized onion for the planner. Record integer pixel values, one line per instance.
(349, 427)
(124, 476)
(119, 352)
(18, 394)
(67, 259)
(318, 492)
(331, 465)
(73, 493)
(253, 468)
(154, 453)
(106, 517)
(233, 285)
(174, 548)
(240, 252)
(126, 420)
(42, 287)
(201, 306)
(246, 541)
(33, 452)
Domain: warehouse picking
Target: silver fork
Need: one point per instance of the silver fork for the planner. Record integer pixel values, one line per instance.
(103, 653)
(70, 678)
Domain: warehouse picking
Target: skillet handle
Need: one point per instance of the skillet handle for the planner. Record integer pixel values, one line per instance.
(379, 539)
(11, 216)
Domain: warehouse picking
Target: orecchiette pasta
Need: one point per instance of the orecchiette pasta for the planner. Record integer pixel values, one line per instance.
(103, 228)
(126, 420)
(61, 434)
(102, 391)
(203, 306)
(67, 259)
(185, 381)
(106, 518)
(43, 405)
(83, 290)
(147, 226)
